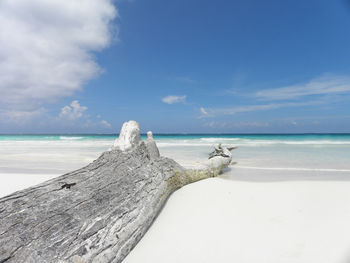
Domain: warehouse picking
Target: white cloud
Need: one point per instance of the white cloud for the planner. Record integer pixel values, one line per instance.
(47, 48)
(106, 124)
(320, 89)
(203, 111)
(248, 108)
(75, 115)
(73, 118)
(319, 86)
(73, 112)
(171, 99)
(20, 117)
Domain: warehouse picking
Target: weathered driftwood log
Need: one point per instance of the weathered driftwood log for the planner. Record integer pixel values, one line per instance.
(97, 213)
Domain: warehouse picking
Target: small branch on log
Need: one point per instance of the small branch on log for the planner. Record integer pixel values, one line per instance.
(220, 151)
(68, 186)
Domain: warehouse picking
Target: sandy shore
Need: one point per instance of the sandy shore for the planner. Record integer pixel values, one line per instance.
(271, 218)
(12, 182)
(244, 216)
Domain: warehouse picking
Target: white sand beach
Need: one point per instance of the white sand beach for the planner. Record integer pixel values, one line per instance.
(267, 214)
(244, 216)
(12, 182)
(174, 131)
(244, 219)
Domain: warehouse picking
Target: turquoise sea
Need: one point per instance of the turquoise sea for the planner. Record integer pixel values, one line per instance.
(60, 153)
(322, 138)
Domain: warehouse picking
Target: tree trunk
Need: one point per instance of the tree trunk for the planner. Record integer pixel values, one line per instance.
(95, 214)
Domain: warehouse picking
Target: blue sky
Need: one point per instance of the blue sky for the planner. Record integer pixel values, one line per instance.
(175, 66)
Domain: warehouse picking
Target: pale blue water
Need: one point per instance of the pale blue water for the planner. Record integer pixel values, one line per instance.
(322, 138)
(63, 152)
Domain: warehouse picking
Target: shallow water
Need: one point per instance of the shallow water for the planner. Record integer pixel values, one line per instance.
(57, 154)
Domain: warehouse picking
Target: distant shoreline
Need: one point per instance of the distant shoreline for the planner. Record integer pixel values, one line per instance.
(168, 134)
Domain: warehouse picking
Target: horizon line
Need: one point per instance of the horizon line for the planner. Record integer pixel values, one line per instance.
(169, 134)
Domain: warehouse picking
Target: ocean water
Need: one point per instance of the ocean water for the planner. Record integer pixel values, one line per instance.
(58, 154)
